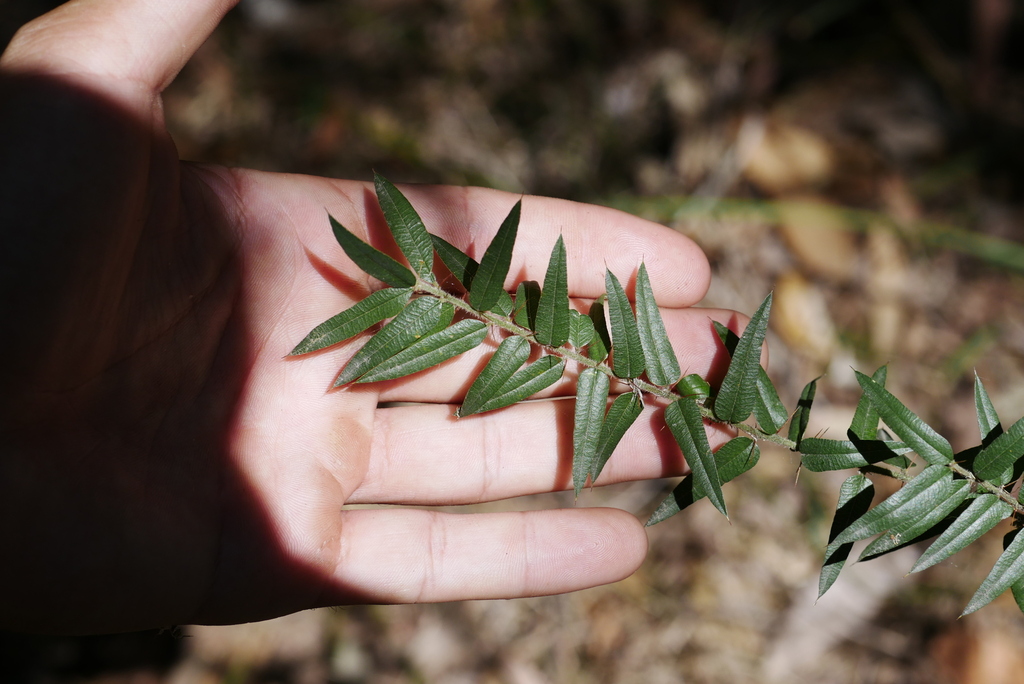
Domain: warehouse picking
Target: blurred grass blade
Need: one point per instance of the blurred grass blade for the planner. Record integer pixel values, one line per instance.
(623, 412)
(601, 344)
(419, 318)
(995, 462)
(430, 351)
(371, 260)
(461, 265)
(865, 419)
(406, 227)
(489, 281)
(930, 445)
(854, 501)
(627, 351)
(770, 412)
(982, 515)
(524, 312)
(1008, 570)
(694, 386)
(738, 392)
(581, 329)
(819, 455)
(923, 492)
(988, 419)
(684, 420)
(526, 382)
(510, 355)
(736, 457)
(907, 528)
(591, 402)
(355, 319)
(553, 307)
(662, 365)
(802, 414)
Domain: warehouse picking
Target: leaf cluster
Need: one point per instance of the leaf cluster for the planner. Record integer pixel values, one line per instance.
(421, 320)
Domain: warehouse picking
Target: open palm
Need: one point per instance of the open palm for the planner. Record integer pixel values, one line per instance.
(164, 462)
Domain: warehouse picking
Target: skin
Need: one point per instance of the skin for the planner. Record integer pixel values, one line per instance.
(162, 460)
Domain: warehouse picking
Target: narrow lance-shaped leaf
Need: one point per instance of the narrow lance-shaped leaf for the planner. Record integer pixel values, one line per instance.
(1018, 594)
(524, 312)
(601, 344)
(355, 319)
(865, 419)
(738, 392)
(591, 402)
(406, 227)
(419, 318)
(687, 425)
(1008, 570)
(770, 412)
(910, 525)
(819, 455)
(930, 445)
(623, 412)
(553, 307)
(489, 281)
(526, 382)
(995, 462)
(988, 419)
(581, 329)
(463, 267)
(736, 457)
(510, 355)
(662, 365)
(628, 353)
(854, 500)
(371, 260)
(982, 515)
(924, 491)
(802, 414)
(429, 351)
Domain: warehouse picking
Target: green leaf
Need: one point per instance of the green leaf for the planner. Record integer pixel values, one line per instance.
(628, 357)
(461, 265)
(489, 281)
(728, 337)
(540, 374)
(581, 329)
(924, 491)
(911, 525)
(769, 410)
(421, 317)
(854, 500)
(930, 445)
(819, 455)
(995, 462)
(504, 305)
(406, 227)
(982, 515)
(510, 355)
(802, 415)
(738, 392)
(662, 365)
(736, 457)
(988, 419)
(355, 319)
(694, 386)
(591, 401)
(1008, 570)
(601, 344)
(429, 351)
(372, 260)
(1018, 594)
(524, 312)
(553, 308)
(623, 412)
(865, 418)
(684, 420)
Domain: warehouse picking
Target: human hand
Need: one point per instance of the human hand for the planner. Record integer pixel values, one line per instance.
(164, 462)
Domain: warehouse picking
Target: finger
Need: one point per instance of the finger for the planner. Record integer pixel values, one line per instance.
(423, 455)
(408, 556)
(139, 42)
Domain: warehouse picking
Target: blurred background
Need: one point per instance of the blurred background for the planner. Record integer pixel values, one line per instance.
(861, 158)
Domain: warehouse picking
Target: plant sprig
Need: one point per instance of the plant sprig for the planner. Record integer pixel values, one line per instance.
(956, 498)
